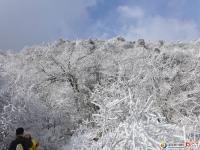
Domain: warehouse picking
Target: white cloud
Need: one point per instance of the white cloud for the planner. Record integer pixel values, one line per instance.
(155, 27)
(128, 12)
(28, 22)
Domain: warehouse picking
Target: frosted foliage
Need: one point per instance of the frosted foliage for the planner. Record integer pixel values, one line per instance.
(125, 121)
(96, 94)
(154, 103)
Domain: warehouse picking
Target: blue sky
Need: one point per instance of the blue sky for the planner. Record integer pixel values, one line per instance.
(31, 22)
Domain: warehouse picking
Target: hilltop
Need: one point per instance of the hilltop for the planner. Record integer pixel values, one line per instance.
(101, 94)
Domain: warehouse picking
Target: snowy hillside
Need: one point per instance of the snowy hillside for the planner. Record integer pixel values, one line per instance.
(101, 95)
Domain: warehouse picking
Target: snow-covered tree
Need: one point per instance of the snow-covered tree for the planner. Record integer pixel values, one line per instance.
(112, 94)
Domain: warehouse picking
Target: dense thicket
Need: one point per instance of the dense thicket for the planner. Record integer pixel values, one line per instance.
(112, 94)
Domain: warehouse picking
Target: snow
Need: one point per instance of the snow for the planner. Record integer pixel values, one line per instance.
(96, 94)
